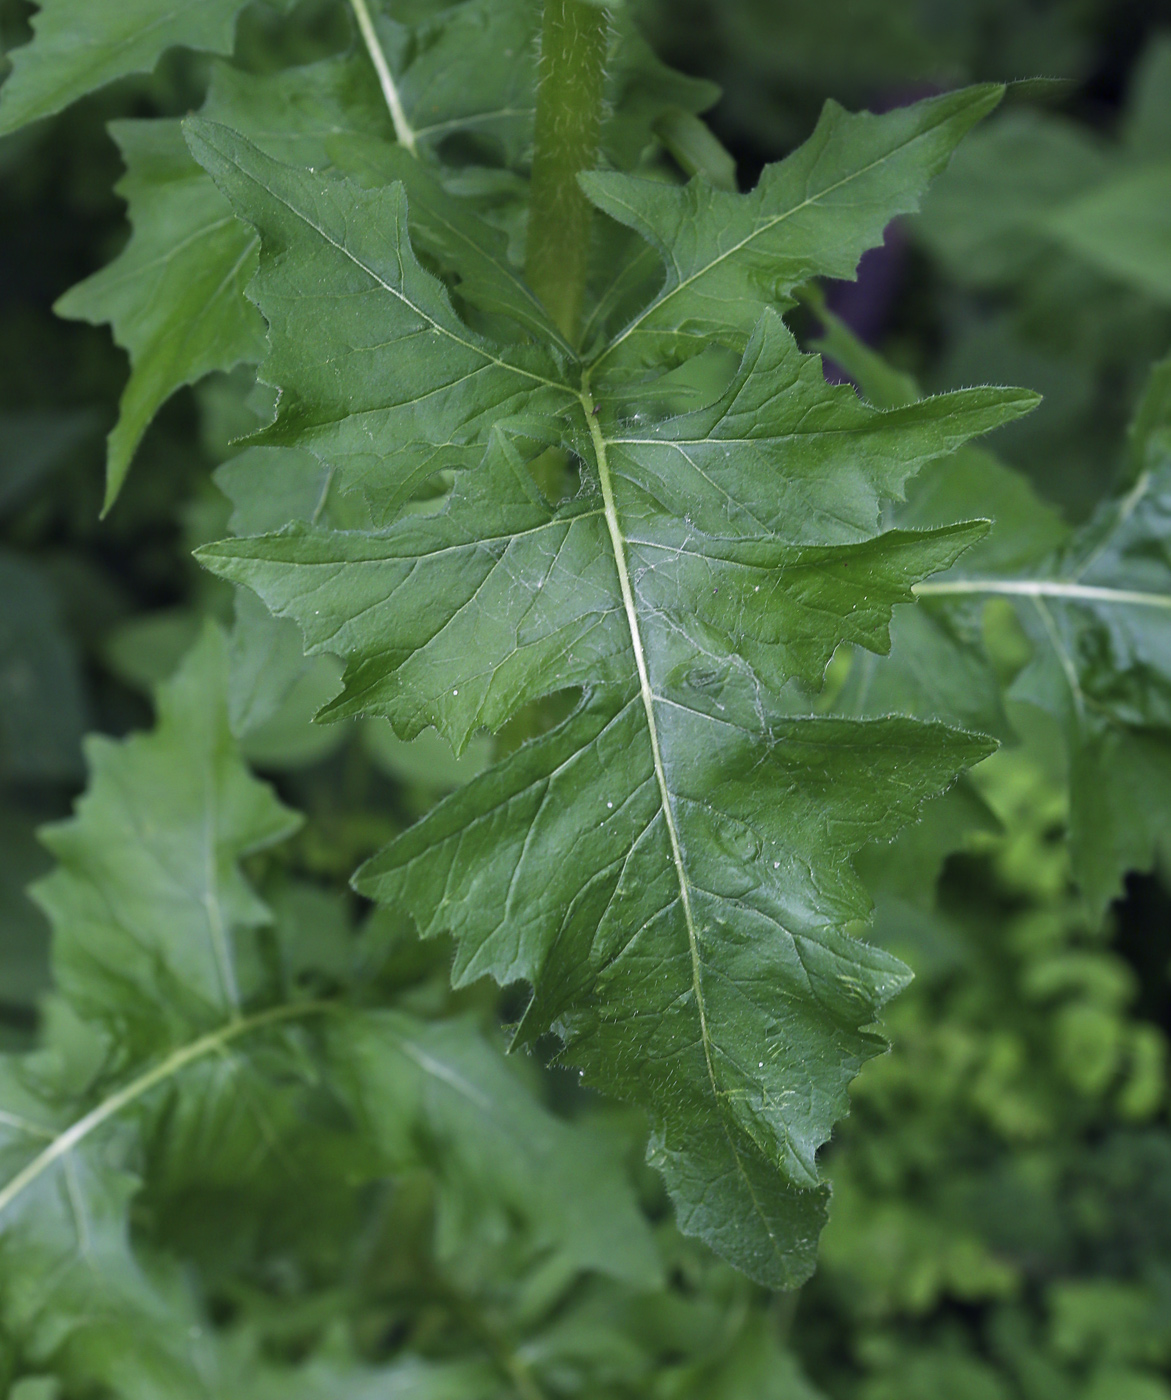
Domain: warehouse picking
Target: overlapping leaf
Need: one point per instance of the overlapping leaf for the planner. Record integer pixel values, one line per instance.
(156, 1058)
(1096, 607)
(669, 868)
(146, 904)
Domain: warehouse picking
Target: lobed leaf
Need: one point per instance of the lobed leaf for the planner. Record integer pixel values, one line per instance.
(668, 869)
(147, 905)
(812, 214)
(175, 296)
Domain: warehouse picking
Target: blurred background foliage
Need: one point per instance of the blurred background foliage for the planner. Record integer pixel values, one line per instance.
(1001, 1227)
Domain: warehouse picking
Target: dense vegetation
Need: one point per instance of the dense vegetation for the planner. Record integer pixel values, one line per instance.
(477, 517)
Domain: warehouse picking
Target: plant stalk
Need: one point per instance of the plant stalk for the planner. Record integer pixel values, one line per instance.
(402, 127)
(574, 41)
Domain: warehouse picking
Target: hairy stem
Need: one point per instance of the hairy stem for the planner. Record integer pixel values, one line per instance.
(574, 40)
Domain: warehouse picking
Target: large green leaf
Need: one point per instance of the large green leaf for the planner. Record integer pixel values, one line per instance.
(723, 566)
(78, 46)
(668, 869)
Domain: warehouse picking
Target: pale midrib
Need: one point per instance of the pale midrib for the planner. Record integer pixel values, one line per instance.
(166, 1069)
(1044, 588)
(390, 92)
(618, 544)
(686, 282)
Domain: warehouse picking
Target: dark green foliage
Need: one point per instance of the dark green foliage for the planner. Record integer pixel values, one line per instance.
(630, 664)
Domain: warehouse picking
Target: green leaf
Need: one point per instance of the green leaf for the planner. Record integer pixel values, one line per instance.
(681, 788)
(696, 954)
(150, 915)
(78, 46)
(693, 953)
(727, 256)
(175, 296)
(1098, 614)
(532, 591)
(148, 902)
(439, 1096)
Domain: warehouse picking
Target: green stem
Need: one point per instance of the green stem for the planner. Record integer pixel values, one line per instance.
(402, 127)
(574, 40)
